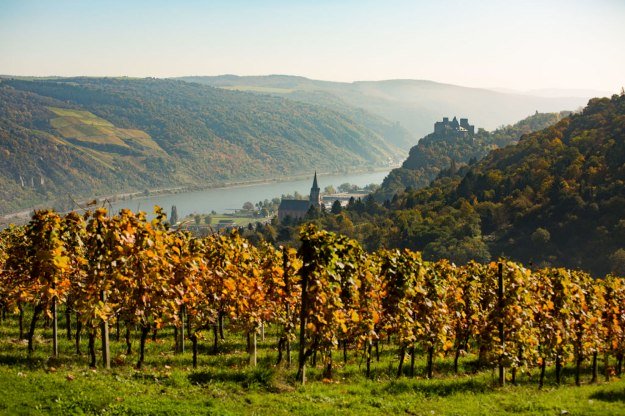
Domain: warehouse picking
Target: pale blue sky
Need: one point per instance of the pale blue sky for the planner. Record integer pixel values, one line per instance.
(510, 44)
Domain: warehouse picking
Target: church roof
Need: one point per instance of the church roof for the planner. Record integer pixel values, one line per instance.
(314, 186)
(294, 205)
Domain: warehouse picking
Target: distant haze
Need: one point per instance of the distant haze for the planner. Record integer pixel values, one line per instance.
(525, 46)
(415, 105)
(557, 92)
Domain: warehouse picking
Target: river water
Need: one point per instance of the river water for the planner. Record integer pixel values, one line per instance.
(222, 200)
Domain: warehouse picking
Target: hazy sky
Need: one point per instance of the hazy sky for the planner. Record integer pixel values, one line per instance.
(512, 44)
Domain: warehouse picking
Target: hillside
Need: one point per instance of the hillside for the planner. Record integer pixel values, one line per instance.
(39, 162)
(326, 94)
(557, 197)
(414, 104)
(436, 152)
(116, 135)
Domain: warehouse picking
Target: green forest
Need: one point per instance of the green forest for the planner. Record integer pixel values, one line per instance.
(435, 153)
(97, 136)
(556, 198)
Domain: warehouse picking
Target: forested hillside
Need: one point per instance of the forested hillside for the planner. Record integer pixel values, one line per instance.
(326, 94)
(435, 153)
(37, 163)
(555, 198)
(414, 104)
(90, 136)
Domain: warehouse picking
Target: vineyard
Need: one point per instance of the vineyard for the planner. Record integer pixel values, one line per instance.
(96, 275)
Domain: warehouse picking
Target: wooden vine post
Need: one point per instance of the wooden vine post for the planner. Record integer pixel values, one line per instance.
(104, 328)
(55, 324)
(182, 327)
(287, 292)
(500, 292)
(301, 368)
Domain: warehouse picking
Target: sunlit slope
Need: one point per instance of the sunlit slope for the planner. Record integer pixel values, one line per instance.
(55, 154)
(118, 135)
(87, 129)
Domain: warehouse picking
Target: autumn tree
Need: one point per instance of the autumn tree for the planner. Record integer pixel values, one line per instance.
(48, 264)
(73, 236)
(13, 272)
(280, 274)
(147, 292)
(325, 256)
(400, 272)
(185, 256)
(430, 302)
(105, 247)
(366, 319)
(464, 305)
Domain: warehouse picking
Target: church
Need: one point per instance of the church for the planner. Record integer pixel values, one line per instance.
(297, 208)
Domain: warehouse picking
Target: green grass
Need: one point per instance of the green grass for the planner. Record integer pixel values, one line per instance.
(240, 221)
(224, 384)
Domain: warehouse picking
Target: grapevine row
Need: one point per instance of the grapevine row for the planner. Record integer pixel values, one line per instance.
(131, 272)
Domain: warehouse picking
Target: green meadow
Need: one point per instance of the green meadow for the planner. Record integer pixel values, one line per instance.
(225, 384)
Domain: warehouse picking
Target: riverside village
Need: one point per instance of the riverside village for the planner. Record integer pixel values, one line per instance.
(294, 208)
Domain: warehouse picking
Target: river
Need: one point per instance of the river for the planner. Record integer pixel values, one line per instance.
(222, 200)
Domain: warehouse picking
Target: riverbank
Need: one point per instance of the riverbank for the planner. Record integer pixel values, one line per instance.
(114, 201)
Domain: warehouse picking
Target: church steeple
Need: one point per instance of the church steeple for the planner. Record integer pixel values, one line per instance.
(315, 197)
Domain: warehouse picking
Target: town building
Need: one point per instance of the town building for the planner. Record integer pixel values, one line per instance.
(298, 208)
(343, 198)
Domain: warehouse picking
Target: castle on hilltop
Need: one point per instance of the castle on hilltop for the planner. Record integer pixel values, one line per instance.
(298, 208)
(453, 128)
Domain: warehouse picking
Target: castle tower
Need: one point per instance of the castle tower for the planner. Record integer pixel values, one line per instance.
(464, 122)
(315, 196)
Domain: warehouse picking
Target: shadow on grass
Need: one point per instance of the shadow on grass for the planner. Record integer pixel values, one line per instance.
(223, 347)
(6, 359)
(35, 360)
(253, 377)
(440, 388)
(609, 395)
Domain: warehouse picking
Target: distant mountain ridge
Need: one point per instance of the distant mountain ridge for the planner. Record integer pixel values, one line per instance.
(91, 136)
(414, 104)
(556, 92)
(308, 91)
